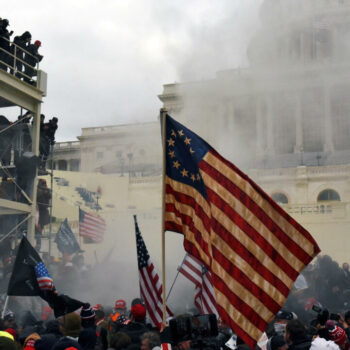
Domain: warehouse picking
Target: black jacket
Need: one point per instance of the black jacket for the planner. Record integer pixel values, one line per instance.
(300, 344)
(135, 330)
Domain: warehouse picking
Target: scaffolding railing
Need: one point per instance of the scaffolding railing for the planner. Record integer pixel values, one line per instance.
(16, 54)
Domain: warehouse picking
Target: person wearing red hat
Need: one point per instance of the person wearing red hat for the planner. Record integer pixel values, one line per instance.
(120, 306)
(136, 327)
(32, 58)
(337, 334)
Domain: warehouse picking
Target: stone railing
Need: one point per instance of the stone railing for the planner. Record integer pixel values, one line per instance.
(326, 208)
(145, 180)
(65, 145)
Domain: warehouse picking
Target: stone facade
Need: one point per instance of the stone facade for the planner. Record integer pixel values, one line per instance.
(285, 119)
(133, 149)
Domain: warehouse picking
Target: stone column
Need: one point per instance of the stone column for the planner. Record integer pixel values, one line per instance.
(270, 127)
(260, 132)
(298, 125)
(328, 130)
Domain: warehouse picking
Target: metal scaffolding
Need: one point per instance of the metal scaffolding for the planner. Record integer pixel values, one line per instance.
(15, 92)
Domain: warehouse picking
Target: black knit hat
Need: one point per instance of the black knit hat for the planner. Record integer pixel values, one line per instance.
(87, 312)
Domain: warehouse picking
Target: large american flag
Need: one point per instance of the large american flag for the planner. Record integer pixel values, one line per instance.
(150, 286)
(253, 248)
(91, 226)
(45, 282)
(197, 273)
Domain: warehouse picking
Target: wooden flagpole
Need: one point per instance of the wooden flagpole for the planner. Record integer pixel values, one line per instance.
(163, 113)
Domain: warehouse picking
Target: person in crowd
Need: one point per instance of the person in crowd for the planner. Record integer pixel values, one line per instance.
(47, 138)
(6, 341)
(119, 341)
(70, 326)
(87, 315)
(323, 344)
(43, 202)
(101, 327)
(88, 339)
(119, 310)
(30, 341)
(136, 327)
(4, 43)
(296, 336)
(338, 335)
(9, 319)
(20, 43)
(50, 129)
(149, 340)
(45, 342)
(345, 322)
(31, 58)
(277, 342)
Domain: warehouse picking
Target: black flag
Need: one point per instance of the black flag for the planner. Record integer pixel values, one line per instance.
(65, 239)
(24, 280)
(31, 278)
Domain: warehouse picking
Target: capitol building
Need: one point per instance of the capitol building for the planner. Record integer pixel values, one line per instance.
(284, 119)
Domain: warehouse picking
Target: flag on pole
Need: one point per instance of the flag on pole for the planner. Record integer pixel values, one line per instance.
(252, 247)
(198, 274)
(150, 286)
(65, 239)
(30, 277)
(91, 227)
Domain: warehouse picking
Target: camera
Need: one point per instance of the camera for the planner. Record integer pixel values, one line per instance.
(198, 329)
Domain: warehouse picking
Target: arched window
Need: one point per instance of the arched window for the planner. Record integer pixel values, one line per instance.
(280, 198)
(328, 195)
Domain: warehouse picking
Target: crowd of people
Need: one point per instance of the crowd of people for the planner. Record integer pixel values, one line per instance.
(21, 56)
(310, 319)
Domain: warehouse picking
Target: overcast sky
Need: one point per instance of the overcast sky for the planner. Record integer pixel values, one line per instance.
(107, 60)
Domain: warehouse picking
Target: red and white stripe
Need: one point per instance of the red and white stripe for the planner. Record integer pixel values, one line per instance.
(151, 291)
(45, 283)
(92, 227)
(204, 298)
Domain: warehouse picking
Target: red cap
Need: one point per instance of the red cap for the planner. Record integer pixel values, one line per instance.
(97, 307)
(138, 311)
(12, 332)
(37, 43)
(120, 304)
(338, 335)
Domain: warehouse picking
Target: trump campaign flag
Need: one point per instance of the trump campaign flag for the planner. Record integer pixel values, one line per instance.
(253, 249)
(65, 239)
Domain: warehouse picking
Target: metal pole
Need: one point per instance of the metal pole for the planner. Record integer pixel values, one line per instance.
(178, 271)
(163, 113)
(171, 288)
(5, 306)
(51, 200)
(8, 233)
(35, 150)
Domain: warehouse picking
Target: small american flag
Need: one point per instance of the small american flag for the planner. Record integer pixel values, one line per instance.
(91, 226)
(198, 274)
(45, 282)
(150, 286)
